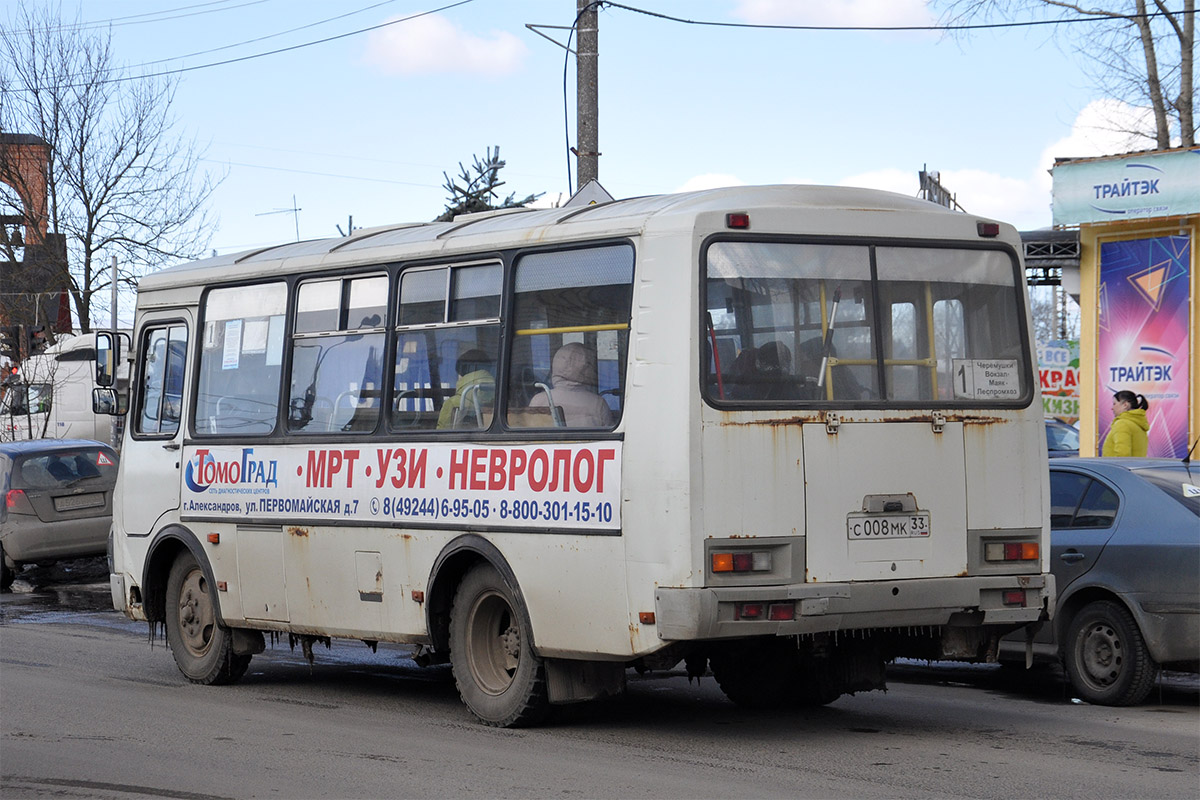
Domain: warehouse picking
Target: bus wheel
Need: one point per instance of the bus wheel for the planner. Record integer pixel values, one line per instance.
(773, 675)
(498, 676)
(201, 645)
(1106, 658)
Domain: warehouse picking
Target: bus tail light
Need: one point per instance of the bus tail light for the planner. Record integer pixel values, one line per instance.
(782, 611)
(17, 502)
(987, 229)
(1011, 551)
(1014, 597)
(737, 221)
(748, 610)
(779, 612)
(742, 561)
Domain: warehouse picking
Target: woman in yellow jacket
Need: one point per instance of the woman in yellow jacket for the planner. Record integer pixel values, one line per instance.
(1127, 436)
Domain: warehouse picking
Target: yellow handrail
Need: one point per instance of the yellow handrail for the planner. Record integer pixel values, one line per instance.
(615, 326)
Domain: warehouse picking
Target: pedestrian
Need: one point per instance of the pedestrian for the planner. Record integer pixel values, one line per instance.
(1127, 434)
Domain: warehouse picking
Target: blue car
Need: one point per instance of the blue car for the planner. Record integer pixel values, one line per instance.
(1125, 553)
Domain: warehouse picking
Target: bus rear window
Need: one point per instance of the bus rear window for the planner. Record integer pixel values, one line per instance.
(796, 323)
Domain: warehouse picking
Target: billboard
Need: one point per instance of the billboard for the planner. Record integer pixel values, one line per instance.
(1143, 340)
(1058, 370)
(1138, 186)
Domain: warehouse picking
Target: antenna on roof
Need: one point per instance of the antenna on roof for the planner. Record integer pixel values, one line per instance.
(294, 211)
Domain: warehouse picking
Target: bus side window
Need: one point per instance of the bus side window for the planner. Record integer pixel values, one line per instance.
(447, 347)
(160, 396)
(337, 355)
(571, 338)
(241, 359)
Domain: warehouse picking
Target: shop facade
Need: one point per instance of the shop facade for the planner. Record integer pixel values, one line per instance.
(1138, 217)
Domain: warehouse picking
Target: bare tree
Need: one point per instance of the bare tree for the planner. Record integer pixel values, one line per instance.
(1138, 51)
(120, 180)
(1055, 314)
(478, 192)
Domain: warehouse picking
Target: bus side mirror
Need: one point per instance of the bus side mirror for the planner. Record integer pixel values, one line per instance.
(108, 355)
(109, 401)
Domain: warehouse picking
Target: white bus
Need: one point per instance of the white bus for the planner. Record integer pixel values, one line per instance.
(784, 433)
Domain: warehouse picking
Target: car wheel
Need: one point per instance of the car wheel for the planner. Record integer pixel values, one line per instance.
(1106, 658)
(6, 572)
(202, 647)
(498, 676)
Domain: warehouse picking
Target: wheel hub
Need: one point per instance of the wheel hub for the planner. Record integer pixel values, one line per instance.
(511, 639)
(1103, 654)
(195, 615)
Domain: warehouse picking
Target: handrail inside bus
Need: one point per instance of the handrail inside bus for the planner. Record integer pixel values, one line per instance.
(614, 326)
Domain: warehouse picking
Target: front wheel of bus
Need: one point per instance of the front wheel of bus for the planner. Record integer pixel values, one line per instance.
(498, 676)
(202, 647)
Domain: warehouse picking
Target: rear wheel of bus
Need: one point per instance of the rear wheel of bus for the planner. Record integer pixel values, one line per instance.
(498, 676)
(202, 647)
(773, 673)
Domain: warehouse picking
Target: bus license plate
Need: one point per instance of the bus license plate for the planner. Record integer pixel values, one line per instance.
(887, 526)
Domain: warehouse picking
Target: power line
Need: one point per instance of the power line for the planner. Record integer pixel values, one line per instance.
(318, 174)
(135, 19)
(252, 56)
(897, 28)
(271, 35)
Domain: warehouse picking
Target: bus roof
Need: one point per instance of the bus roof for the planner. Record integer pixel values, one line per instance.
(505, 228)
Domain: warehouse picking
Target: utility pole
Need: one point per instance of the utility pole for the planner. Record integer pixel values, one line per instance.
(587, 152)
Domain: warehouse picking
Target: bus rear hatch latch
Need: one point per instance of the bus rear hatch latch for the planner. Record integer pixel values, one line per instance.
(939, 421)
(831, 422)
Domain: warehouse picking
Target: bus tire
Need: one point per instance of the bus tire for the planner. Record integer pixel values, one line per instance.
(764, 675)
(498, 677)
(1105, 656)
(202, 647)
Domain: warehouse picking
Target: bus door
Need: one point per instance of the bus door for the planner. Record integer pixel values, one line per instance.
(885, 501)
(152, 454)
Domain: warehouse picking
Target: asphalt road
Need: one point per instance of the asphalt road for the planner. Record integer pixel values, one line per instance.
(91, 706)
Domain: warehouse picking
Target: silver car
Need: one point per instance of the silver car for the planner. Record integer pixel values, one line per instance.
(57, 501)
(1125, 553)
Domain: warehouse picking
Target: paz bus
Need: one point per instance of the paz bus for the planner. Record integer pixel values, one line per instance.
(783, 434)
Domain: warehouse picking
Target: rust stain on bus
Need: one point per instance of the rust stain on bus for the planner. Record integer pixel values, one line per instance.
(819, 419)
(297, 531)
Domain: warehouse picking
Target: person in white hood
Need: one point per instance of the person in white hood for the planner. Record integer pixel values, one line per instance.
(573, 386)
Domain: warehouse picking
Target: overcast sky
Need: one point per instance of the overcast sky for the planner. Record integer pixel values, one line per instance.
(365, 125)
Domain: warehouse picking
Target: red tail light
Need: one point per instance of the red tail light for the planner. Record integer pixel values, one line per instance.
(1011, 551)
(17, 503)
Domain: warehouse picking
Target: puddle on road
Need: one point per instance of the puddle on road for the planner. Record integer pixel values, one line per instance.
(69, 591)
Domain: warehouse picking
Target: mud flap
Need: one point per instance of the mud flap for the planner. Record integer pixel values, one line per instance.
(577, 681)
(247, 642)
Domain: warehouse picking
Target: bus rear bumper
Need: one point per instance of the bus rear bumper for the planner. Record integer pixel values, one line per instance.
(720, 612)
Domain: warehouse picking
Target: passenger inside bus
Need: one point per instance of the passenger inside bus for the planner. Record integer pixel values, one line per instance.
(573, 389)
(471, 404)
(764, 373)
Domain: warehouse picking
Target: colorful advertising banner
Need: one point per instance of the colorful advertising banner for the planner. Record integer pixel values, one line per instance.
(1132, 187)
(555, 486)
(1058, 368)
(1143, 335)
